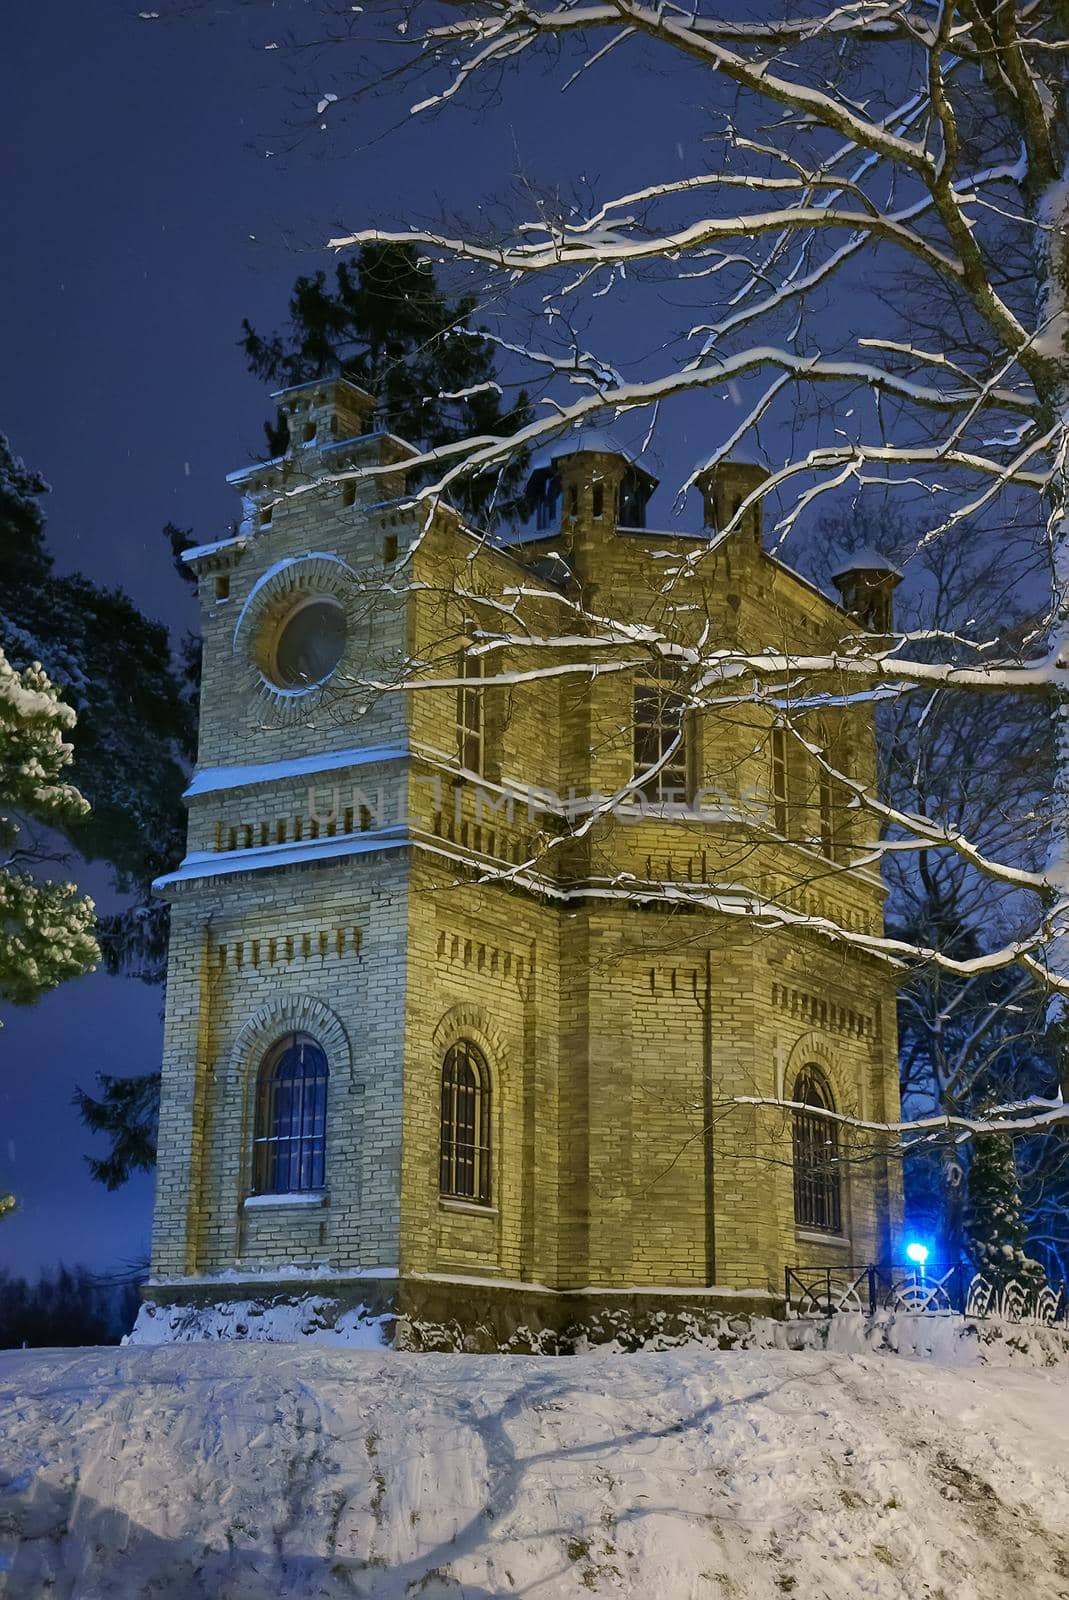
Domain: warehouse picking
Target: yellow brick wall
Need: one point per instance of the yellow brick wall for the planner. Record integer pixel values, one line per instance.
(620, 1032)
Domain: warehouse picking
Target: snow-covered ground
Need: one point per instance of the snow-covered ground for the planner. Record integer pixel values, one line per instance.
(241, 1471)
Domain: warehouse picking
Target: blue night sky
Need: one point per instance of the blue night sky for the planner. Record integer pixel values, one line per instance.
(145, 221)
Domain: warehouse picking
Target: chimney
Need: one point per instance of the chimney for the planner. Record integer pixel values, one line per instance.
(866, 585)
(723, 489)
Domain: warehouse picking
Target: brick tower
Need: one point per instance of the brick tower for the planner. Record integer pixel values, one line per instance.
(466, 991)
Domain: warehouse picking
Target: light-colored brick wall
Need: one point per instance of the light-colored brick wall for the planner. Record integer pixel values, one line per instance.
(317, 949)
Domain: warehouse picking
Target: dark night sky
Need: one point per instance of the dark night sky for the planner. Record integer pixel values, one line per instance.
(144, 221)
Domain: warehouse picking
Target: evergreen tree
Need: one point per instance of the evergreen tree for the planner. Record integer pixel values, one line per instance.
(132, 742)
(386, 325)
(995, 1229)
(135, 730)
(46, 928)
(126, 1112)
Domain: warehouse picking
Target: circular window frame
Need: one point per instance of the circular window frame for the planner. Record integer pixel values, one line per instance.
(289, 583)
(271, 629)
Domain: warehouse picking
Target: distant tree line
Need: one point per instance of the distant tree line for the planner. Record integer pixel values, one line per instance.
(65, 1307)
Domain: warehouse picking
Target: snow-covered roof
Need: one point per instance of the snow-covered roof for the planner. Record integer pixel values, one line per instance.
(234, 542)
(507, 538)
(588, 439)
(733, 460)
(318, 383)
(210, 780)
(361, 438)
(866, 558)
(695, 535)
(241, 473)
(201, 864)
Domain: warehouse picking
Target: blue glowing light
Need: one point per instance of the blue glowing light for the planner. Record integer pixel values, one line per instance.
(917, 1253)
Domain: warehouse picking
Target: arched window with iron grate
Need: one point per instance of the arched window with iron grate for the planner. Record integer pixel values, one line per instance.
(464, 1169)
(818, 1201)
(291, 1118)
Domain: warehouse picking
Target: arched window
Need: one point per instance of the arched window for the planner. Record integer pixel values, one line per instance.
(291, 1118)
(464, 1172)
(817, 1175)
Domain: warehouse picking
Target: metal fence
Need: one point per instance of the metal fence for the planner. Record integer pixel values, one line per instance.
(958, 1289)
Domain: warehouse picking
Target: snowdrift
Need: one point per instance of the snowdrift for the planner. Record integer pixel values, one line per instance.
(237, 1471)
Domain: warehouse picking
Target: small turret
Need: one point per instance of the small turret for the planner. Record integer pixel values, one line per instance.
(588, 475)
(324, 410)
(866, 584)
(724, 487)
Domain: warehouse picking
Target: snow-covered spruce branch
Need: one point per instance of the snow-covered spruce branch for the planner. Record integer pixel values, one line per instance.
(46, 928)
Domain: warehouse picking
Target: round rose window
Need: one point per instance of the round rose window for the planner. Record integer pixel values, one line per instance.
(309, 643)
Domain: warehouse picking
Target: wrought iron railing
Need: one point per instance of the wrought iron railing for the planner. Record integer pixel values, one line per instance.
(824, 1291)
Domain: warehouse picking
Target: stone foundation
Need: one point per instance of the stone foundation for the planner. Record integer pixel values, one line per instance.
(448, 1316)
(442, 1314)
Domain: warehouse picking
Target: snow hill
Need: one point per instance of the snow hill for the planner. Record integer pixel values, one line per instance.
(240, 1471)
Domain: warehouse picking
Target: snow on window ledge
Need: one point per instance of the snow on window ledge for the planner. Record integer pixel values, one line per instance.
(473, 1207)
(814, 1236)
(312, 1197)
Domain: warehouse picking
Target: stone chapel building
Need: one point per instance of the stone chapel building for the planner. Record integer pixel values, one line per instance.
(447, 1036)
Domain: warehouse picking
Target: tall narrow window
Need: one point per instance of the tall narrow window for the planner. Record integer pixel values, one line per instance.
(597, 501)
(547, 506)
(464, 1172)
(660, 741)
(817, 1175)
(471, 742)
(291, 1118)
(779, 780)
(633, 497)
(827, 819)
